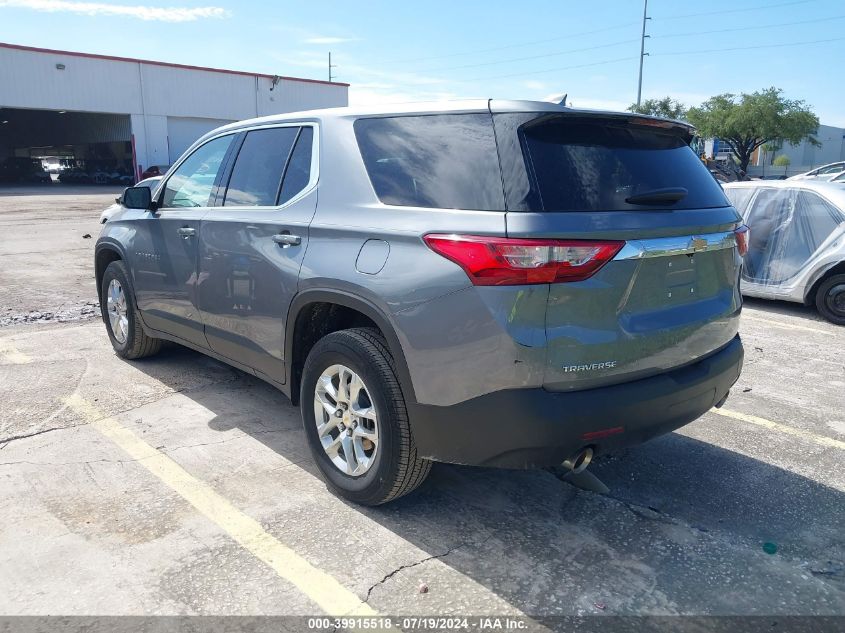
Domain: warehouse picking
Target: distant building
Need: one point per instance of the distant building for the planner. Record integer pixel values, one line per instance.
(100, 112)
(804, 156)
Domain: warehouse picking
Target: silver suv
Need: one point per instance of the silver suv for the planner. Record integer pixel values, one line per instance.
(511, 284)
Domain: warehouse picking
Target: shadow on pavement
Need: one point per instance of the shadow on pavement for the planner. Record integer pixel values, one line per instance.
(681, 531)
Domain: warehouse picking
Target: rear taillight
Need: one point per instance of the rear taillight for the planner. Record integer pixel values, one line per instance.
(742, 235)
(502, 261)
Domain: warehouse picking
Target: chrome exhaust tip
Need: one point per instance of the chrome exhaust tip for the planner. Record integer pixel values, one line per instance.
(578, 463)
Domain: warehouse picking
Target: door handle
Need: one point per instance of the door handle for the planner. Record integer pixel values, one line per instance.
(286, 239)
(186, 231)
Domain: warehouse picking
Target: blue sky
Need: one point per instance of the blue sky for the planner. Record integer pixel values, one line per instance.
(401, 50)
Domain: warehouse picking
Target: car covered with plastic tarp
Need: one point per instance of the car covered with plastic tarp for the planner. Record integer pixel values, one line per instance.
(796, 249)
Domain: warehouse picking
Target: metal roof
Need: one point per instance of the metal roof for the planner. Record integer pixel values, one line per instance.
(439, 107)
(114, 58)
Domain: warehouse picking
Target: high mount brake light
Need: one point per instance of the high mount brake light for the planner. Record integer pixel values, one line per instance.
(502, 261)
(742, 235)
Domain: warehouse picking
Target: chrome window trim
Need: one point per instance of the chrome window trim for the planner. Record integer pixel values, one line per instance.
(312, 181)
(681, 245)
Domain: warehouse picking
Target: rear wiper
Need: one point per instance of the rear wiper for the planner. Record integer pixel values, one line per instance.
(668, 195)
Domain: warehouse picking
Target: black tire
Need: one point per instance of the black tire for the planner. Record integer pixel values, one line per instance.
(397, 469)
(830, 299)
(137, 344)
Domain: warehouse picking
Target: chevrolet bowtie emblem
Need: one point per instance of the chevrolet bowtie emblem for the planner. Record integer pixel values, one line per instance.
(698, 244)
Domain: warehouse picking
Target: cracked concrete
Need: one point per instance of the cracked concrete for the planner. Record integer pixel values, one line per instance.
(401, 568)
(7, 440)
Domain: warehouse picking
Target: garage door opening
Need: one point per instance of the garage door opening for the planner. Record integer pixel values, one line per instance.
(57, 146)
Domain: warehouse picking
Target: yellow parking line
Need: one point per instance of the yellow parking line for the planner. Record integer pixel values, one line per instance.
(319, 586)
(9, 355)
(783, 428)
(782, 324)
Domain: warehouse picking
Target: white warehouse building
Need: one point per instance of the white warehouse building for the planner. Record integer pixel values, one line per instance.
(102, 112)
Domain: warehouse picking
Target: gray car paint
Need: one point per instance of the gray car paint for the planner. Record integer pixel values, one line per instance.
(456, 341)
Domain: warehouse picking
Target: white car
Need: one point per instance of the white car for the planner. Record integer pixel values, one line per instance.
(796, 248)
(820, 172)
(106, 215)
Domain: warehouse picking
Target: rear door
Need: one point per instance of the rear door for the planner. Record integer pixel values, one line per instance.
(670, 295)
(252, 244)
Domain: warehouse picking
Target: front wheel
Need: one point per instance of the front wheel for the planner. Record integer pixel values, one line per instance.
(123, 323)
(830, 299)
(356, 421)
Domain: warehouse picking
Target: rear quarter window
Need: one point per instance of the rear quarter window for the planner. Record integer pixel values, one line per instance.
(576, 163)
(443, 161)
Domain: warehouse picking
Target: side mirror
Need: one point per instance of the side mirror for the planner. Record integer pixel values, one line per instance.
(138, 198)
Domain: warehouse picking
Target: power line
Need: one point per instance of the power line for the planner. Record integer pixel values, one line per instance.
(749, 28)
(630, 58)
(553, 70)
(531, 57)
(756, 8)
(746, 48)
(509, 46)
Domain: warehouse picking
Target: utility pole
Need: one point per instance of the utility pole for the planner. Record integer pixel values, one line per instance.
(642, 53)
(331, 76)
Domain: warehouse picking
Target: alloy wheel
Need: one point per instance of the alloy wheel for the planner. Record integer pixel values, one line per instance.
(116, 309)
(347, 421)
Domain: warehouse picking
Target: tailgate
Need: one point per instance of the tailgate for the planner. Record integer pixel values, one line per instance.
(670, 296)
(660, 304)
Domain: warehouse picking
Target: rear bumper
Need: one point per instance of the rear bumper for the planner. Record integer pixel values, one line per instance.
(528, 428)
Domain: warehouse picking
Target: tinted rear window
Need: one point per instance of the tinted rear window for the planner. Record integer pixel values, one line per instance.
(443, 161)
(567, 163)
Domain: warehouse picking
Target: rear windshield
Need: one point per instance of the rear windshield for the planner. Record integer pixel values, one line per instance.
(445, 161)
(570, 163)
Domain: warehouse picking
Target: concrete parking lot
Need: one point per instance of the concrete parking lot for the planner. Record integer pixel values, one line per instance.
(177, 485)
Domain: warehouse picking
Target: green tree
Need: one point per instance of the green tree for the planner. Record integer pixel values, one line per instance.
(782, 161)
(747, 121)
(666, 107)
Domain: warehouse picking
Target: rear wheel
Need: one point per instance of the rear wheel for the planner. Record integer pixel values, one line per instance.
(121, 317)
(356, 421)
(830, 299)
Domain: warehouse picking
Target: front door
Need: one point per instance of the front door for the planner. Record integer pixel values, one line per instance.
(252, 244)
(165, 246)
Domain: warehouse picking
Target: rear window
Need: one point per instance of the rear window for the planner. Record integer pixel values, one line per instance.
(443, 161)
(568, 163)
